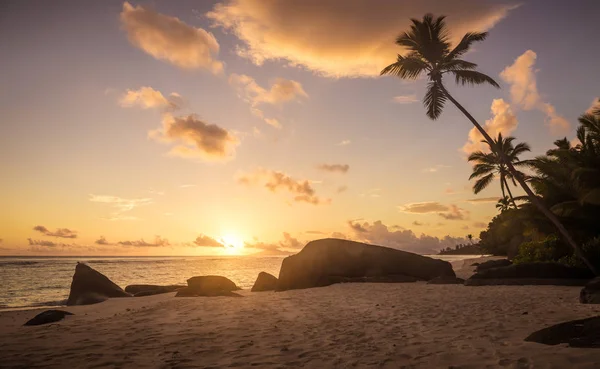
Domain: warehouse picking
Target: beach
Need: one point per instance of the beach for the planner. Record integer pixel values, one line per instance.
(406, 325)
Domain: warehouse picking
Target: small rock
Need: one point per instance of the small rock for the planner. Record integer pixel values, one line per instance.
(48, 316)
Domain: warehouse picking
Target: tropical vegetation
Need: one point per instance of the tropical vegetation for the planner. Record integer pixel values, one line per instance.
(428, 51)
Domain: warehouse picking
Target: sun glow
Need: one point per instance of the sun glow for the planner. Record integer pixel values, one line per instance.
(232, 242)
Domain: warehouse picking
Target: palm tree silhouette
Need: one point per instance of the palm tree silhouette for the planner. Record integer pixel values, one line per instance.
(488, 165)
(503, 204)
(429, 51)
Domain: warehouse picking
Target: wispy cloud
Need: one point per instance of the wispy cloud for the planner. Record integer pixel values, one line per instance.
(280, 91)
(147, 98)
(275, 181)
(344, 143)
(339, 168)
(341, 189)
(406, 99)
(121, 205)
(455, 213)
(478, 200)
(435, 168)
(423, 207)
(158, 242)
(59, 232)
(170, 39)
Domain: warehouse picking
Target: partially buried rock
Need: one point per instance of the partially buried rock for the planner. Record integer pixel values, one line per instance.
(532, 274)
(327, 261)
(492, 264)
(264, 282)
(90, 286)
(210, 286)
(590, 294)
(48, 316)
(446, 280)
(584, 333)
(138, 290)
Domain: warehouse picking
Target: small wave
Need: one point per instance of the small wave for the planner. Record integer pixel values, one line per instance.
(21, 262)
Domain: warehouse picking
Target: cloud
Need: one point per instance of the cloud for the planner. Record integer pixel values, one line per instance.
(195, 138)
(524, 93)
(435, 168)
(60, 232)
(406, 99)
(372, 192)
(419, 224)
(33, 242)
(344, 143)
(280, 91)
(147, 98)
(423, 207)
(480, 225)
(339, 168)
(121, 205)
(493, 199)
(404, 239)
(102, 241)
(275, 181)
(158, 242)
(341, 189)
(503, 121)
(316, 232)
(455, 213)
(281, 247)
(353, 40)
(170, 39)
(207, 241)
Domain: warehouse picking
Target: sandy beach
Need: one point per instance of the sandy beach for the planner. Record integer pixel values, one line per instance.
(412, 325)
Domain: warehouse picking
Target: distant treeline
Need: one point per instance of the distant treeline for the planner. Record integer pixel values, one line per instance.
(462, 249)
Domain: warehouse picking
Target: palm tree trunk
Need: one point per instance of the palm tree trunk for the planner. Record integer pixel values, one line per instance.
(532, 197)
(512, 199)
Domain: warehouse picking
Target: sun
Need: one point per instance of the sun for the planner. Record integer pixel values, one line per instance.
(232, 243)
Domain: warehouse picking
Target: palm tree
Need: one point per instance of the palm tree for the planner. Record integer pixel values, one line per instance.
(488, 165)
(503, 204)
(428, 46)
(470, 237)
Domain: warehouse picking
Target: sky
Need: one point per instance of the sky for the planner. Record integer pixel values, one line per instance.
(233, 127)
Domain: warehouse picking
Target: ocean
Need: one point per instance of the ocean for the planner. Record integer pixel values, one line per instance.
(27, 282)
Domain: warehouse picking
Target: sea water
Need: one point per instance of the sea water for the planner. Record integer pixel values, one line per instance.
(45, 281)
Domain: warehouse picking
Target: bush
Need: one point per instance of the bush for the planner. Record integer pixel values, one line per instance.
(549, 249)
(591, 249)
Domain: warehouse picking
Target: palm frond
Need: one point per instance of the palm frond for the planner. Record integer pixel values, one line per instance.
(473, 77)
(458, 64)
(466, 42)
(480, 170)
(482, 183)
(409, 67)
(434, 100)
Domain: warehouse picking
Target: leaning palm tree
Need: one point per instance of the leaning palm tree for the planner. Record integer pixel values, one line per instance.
(488, 165)
(428, 46)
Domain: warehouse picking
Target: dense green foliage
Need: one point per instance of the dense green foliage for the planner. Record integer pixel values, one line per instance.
(567, 180)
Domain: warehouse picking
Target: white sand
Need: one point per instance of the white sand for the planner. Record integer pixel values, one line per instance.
(411, 325)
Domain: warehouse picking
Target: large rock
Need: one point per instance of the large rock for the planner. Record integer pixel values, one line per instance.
(590, 294)
(532, 274)
(492, 264)
(583, 333)
(208, 285)
(138, 290)
(48, 316)
(90, 286)
(264, 282)
(327, 261)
